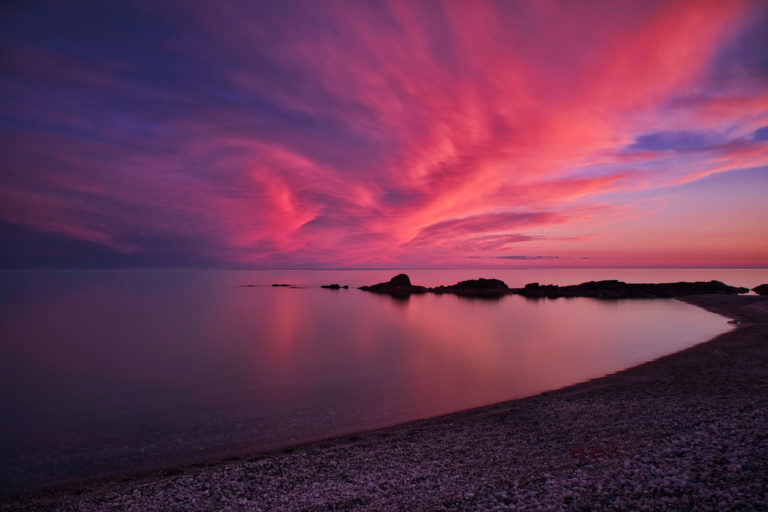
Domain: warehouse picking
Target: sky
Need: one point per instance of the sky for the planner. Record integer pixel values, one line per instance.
(362, 134)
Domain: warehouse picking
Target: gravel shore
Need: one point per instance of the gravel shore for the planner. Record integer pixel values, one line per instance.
(685, 432)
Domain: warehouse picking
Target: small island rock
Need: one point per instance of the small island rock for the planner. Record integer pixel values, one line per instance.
(488, 288)
(400, 286)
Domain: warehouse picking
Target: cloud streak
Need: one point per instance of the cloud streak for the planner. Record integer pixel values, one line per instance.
(365, 134)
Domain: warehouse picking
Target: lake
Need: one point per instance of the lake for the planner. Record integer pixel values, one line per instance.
(109, 372)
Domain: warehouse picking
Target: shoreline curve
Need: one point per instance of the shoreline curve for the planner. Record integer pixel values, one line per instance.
(687, 428)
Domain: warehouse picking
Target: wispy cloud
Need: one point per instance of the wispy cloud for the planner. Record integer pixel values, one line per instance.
(359, 133)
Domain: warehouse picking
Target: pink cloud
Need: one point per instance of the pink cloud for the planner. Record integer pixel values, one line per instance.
(361, 134)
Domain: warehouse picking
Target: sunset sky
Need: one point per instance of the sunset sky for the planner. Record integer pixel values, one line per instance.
(327, 134)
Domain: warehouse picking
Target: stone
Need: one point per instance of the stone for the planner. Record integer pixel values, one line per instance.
(482, 288)
(399, 286)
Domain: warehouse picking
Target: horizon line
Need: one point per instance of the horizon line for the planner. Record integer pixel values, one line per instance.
(518, 267)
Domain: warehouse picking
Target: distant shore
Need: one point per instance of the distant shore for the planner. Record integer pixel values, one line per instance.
(400, 286)
(686, 431)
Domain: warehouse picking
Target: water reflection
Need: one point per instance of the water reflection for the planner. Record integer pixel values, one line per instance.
(111, 371)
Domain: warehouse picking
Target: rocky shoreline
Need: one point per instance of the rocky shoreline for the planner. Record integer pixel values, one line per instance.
(400, 286)
(684, 432)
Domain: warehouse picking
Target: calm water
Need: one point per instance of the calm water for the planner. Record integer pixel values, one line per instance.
(113, 371)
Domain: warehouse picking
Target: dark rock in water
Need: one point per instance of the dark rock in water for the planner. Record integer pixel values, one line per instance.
(400, 285)
(283, 284)
(475, 288)
(613, 289)
(761, 290)
(334, 286)
(400, 280)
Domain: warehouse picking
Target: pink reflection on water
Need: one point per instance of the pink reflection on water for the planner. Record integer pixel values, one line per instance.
(138, 369)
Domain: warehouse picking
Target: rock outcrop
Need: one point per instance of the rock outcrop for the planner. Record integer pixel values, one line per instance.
(761, 290)
(488, 288)
(398, 286)
(334, 286)
(621, 290)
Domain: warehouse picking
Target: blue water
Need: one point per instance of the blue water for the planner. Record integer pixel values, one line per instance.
(107, 372)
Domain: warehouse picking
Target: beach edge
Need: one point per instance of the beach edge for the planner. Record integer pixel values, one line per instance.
(751, 313)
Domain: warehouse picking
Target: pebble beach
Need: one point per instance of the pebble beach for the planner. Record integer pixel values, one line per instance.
(688, 431)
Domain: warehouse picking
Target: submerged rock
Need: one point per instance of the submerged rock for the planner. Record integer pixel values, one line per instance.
(613, 289)
(400, 285)
(761, 290)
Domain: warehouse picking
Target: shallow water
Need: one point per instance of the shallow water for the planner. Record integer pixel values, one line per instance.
(111, 371)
